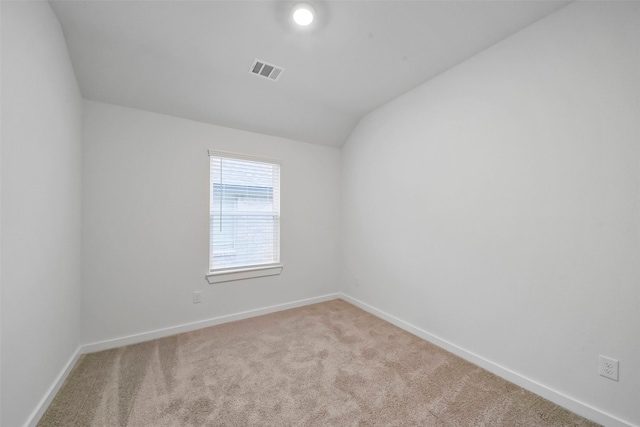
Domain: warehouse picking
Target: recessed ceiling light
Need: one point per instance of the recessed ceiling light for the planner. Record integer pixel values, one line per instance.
(303, 14)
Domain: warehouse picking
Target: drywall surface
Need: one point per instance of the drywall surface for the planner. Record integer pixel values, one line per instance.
(497, 206)
(41, 172)
(146, 222)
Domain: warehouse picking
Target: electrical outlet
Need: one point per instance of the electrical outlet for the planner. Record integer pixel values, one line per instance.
(608, 367)
(197, 297)
(357, 280)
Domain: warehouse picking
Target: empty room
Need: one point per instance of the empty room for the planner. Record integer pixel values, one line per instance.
(327, 213)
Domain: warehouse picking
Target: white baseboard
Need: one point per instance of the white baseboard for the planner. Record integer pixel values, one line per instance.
(188, 327)
(548, 393)
(42, 406)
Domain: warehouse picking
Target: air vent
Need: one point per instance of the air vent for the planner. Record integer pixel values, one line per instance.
(264, 69)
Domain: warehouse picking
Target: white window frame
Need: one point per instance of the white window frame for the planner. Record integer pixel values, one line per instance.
(241, 272)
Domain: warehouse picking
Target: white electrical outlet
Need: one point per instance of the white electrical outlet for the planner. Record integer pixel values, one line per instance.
(197, 297)
(608, 367)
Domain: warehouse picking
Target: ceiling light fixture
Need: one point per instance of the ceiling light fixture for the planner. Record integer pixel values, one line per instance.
(303, 14)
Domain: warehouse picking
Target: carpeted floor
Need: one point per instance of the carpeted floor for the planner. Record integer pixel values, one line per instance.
(328, 364)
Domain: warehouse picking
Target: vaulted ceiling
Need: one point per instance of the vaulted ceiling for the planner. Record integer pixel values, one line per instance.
(191, 59)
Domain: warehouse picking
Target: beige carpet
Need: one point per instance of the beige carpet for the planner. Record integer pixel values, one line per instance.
(328, 364)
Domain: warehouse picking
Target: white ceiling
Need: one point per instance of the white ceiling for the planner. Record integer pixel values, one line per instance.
(191, 59)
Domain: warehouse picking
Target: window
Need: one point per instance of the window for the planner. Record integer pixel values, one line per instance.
(244, 220)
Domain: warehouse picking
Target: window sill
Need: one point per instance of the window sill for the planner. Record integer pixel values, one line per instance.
(244, 273)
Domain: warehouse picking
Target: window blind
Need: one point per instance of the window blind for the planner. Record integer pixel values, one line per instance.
(244, 212)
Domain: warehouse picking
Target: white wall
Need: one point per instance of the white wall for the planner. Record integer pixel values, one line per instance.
(41, 161)
(497, 206)
(145, 222)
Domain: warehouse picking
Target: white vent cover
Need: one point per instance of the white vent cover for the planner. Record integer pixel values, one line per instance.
(264, 69)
